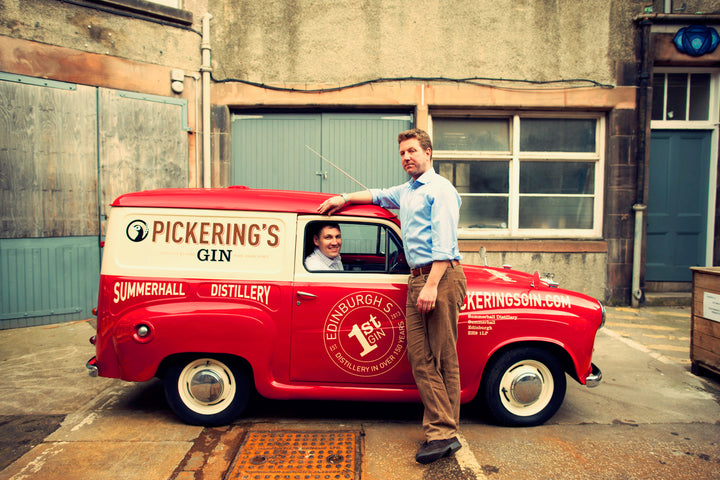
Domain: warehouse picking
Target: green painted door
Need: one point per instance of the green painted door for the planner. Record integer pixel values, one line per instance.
(677, 204)
(273, 150)
(269, 151)
(364, 146)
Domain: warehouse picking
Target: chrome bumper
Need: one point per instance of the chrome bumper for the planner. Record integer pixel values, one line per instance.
(91, 365)
(595, 377)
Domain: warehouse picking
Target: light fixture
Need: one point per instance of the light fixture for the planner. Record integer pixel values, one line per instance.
(177, 77)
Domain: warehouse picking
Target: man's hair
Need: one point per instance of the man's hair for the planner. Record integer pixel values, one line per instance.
(421, 136)
(318, 227)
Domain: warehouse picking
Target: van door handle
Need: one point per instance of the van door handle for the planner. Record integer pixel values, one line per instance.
(305, 295)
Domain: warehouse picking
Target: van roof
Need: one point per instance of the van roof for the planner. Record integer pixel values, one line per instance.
(242, 198)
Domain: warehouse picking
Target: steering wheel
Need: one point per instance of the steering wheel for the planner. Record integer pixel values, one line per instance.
(397, 262)
(393, 261)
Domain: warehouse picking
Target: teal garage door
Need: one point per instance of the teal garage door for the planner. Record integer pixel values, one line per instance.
(274, 150)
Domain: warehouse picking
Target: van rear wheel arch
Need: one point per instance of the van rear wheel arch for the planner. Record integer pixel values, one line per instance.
(188, 356)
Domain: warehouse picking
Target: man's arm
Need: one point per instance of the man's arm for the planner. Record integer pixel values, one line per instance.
(333, 204)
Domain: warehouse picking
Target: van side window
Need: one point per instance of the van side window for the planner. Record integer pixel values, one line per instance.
(353, 247)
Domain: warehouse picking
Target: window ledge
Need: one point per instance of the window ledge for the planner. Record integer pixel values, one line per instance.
(143, 8)
(548, 246)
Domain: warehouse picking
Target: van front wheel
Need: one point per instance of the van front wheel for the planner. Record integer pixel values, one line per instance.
(524, 387)
(206, 391)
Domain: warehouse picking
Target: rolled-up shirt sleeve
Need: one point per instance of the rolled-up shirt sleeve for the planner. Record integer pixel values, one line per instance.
(387, 197)
(444, 215)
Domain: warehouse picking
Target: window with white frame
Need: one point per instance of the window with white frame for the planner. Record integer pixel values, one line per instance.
(681, 96)
(524, 175)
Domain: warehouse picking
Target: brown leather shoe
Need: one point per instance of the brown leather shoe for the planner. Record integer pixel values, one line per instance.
(437, 449)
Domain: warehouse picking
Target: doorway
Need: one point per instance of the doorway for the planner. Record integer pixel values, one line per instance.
(677, 204)
(682, 174)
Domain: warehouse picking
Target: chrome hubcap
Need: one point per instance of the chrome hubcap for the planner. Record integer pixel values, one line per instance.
(526, 388)
(206, 386)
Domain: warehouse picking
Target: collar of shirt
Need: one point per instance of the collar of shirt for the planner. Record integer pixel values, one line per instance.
(330, 263)
(424, 179)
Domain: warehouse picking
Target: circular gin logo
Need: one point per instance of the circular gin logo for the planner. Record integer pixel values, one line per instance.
(137, 230)
(365, 334)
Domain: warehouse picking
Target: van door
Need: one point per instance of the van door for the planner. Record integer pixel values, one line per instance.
(349, 326)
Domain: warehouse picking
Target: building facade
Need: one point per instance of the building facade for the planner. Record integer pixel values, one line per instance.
(582, 136)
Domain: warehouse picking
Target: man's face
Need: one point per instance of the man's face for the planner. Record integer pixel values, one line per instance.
(329, 241)
(415, 160)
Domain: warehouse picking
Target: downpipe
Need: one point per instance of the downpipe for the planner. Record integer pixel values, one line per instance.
(643, 107)
(205, 68)
(637, 293)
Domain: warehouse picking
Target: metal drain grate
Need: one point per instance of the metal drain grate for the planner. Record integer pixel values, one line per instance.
(279, 455)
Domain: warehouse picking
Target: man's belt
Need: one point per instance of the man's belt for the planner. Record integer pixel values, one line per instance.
(425, 269)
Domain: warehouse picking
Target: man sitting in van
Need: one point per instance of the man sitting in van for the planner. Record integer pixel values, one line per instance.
(327, 240)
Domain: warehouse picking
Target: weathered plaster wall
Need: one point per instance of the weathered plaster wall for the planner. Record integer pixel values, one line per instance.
(298, 41)
(95, 31)
(581, 272)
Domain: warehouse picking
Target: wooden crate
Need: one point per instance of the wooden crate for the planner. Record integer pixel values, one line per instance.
(705, 324)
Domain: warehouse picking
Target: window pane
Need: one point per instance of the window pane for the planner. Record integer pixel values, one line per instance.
(359, 238)
(658, 86)
(445, 169)
(676, 96)
(556, 213)
(471, 134)
(396, 256)
(483, 212)
(699, 96)
(483, 177)
(557, 135)
(557, 177)
(476, 177)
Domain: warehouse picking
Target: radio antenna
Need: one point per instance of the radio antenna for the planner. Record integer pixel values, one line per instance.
(338, 168)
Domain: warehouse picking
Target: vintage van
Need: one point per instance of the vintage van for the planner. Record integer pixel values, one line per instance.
(207, 289)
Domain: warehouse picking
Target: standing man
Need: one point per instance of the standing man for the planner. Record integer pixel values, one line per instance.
(429, 211)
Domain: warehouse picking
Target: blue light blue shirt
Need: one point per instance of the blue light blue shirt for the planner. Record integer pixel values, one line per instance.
(319, 261)
(429, 212)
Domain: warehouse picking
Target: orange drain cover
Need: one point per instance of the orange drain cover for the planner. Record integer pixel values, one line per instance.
(297, 456)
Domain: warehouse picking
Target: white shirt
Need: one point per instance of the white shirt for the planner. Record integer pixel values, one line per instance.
(319, 261)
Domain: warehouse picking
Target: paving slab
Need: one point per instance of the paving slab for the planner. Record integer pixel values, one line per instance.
(98, 461)
(616, 451)
(43, 369)
(125, 412)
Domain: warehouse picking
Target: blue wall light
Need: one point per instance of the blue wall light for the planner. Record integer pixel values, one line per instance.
(696, 40)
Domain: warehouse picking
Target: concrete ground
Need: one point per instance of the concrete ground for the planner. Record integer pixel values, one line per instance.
(650, 418)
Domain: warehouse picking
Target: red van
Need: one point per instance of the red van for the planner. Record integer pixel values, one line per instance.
(207, 289)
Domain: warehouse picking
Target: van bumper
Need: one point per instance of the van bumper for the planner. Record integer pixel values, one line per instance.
(595, 377)
(91, 365)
